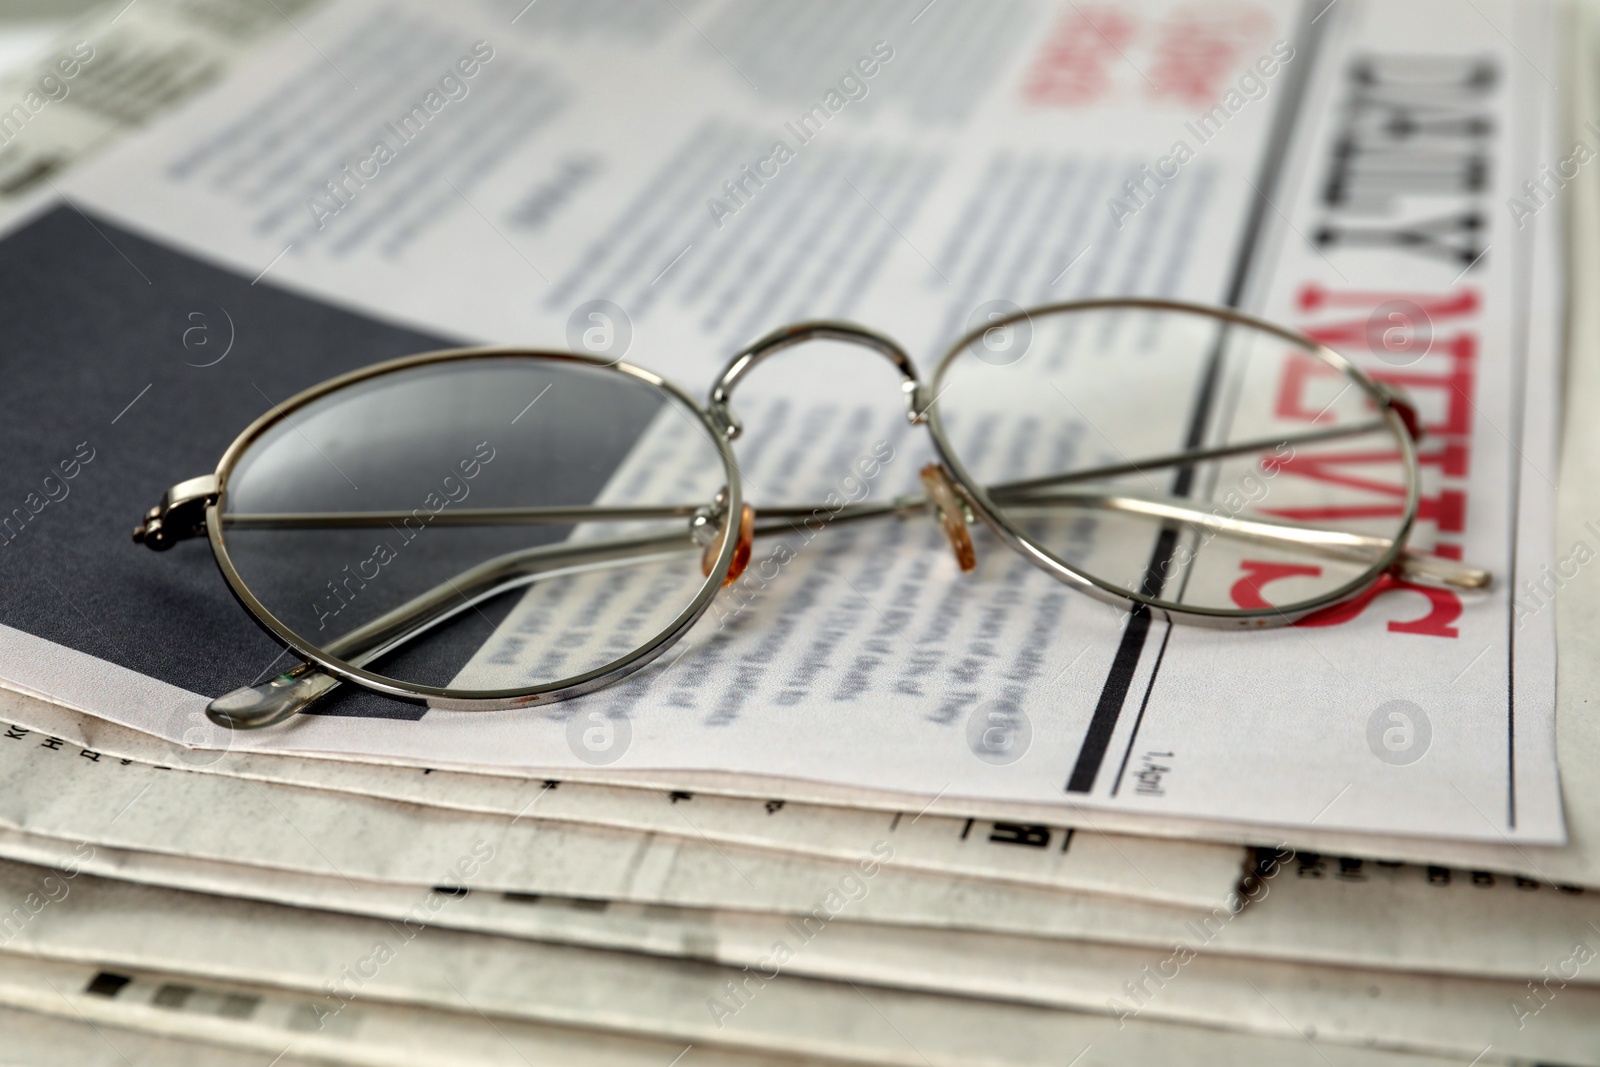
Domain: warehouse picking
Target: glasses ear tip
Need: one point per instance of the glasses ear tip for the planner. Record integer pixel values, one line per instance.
(252, 707)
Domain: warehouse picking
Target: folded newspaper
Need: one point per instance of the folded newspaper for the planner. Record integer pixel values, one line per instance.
(1329, 843)
(236, 254)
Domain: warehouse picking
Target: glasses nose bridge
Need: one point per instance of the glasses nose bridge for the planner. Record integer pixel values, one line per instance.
(800, 333)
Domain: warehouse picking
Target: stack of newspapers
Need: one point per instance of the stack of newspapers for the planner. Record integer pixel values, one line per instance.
(872, 810)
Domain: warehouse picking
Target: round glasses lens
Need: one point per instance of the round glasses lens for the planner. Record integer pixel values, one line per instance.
(418, 524)
(1208, 464)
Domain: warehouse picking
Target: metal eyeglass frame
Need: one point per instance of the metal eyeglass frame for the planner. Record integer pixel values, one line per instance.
(722, 530)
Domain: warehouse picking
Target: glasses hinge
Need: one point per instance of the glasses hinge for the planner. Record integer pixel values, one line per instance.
(723, 418)
(180, 515)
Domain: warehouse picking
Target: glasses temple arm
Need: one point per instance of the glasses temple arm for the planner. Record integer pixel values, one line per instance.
(1334, 544)
(1197, 455)
(352, 520)
(306, 684)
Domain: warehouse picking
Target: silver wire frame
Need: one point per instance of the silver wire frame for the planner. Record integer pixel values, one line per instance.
(344, 659)
(458, 699)
(1258, 618)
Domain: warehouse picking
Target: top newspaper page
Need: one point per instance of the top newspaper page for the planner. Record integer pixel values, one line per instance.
(392, 177)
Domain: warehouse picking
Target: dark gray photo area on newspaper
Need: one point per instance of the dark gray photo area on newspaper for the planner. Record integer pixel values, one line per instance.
(131, 366)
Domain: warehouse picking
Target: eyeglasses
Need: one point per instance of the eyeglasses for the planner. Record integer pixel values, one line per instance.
(493, 528)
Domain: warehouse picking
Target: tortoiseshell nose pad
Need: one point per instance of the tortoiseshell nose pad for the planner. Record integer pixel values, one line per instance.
(952, 513)
(741, 551)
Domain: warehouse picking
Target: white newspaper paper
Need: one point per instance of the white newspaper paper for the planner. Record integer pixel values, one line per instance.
(1025, 853)
(395, 1034)
(271, 1021)
(595, 197)
(1313, 910)
(124, 66)
(766, 1005)
(745, 816)
(76, 793)
(672, 926)
(36, 1037)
